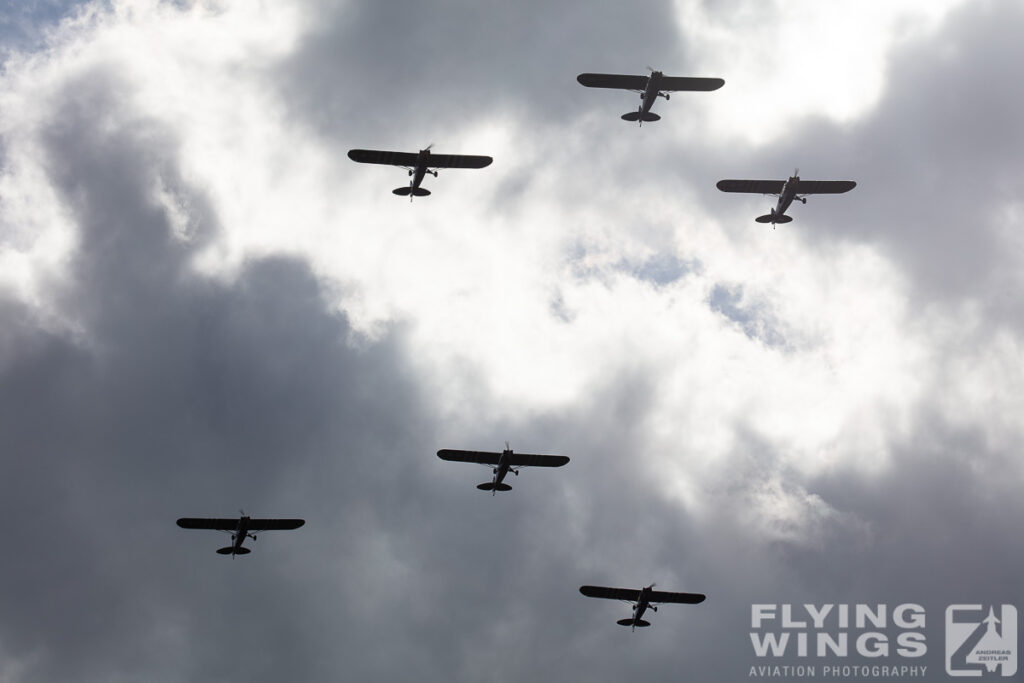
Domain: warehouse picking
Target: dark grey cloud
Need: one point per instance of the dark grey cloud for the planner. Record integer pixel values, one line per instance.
(187, 397)
(410, 73)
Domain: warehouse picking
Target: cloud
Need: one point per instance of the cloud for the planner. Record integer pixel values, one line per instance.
(210, 307)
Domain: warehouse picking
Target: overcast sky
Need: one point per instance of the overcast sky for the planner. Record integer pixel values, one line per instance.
(206, 306)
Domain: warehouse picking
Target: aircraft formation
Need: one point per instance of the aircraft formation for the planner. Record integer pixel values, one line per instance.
(501, 463)
(424, 162)
(650, 88)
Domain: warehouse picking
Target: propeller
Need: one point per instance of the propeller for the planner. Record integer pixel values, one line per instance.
(796, 172)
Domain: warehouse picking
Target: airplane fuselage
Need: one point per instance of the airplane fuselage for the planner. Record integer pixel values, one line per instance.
(787, 195)
(786, 198)
(651, 92)
(241, 533)
(422, 164)
(642, 603)
(502, 468)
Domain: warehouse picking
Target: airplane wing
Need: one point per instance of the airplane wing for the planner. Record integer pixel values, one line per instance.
(753, 186)
(630, 594)
(613, 81)
(275, 524)
(824, 186)
(687, 83)
(377, 156)
(208, 523)
(687, 598)
(232, 524)
(531, 460)
(457, 161)
(482, 457)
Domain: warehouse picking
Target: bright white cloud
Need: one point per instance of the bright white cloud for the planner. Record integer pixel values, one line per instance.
(784, 61)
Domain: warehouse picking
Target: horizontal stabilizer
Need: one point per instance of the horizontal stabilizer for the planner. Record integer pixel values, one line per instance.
(773, 218)
(227, 551)
(638, 116)
(489, 486)
(406, 191)
(629, 622)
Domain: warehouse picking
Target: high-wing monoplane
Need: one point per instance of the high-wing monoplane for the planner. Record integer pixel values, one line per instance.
(642, 599)
(240, 529)
(502, 463)
(650, 88)
(418, 164)
(787, 191)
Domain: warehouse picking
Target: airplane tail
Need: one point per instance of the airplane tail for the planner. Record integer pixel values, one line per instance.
(489, 486)
(629, 622)
(773, 218)
(640, 116)
(406, 190)
(227, 551)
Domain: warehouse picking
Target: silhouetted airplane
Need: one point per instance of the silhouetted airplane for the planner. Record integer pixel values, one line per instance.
(642, 599)
(650, 88)
(240, 529)
(787, 191)
(503, 463)
(418, 164)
